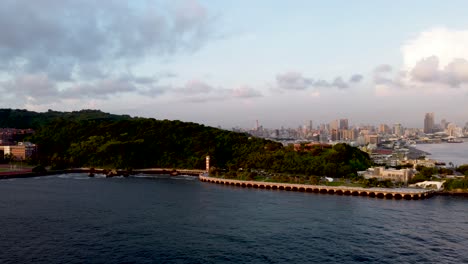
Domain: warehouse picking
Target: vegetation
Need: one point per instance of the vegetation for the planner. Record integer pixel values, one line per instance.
(427, 173)
(463, 169)
(456, 185)
(22, 119)
(39, 169)
(339, 161)
(95, 139)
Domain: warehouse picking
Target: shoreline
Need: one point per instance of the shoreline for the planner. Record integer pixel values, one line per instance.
(415, 153)
(463, 193)
(459, 194)
(108, 172)
(455, 153)
(314, 188)
(389, 193)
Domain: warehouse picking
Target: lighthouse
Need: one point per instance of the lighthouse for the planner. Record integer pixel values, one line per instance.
(208, 164)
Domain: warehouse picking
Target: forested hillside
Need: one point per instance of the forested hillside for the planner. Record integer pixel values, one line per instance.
(140, 143)
(96, 139)
(17, 118)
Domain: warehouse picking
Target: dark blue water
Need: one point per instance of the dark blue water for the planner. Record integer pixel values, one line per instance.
(76, 219)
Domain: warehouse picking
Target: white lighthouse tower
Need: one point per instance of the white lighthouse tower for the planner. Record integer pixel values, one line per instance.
(208, 164)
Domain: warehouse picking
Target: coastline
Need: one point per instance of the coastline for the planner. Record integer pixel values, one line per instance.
(340, 190)
(449, 153)
(389, 193)
(415, 153)
(113, 172)
(460, 193)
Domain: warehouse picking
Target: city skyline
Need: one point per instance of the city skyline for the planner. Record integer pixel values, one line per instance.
(429, 124)
(230, 64)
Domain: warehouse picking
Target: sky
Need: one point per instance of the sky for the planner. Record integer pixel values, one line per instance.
(230, 63)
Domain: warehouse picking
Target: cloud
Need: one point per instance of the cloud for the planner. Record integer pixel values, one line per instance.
(356, 78)
(55, 50)
(426, 70)
(245, 92)
(197, 91)
(444, 43)
(79, 39)
(30, 88)
(453, 74)
(39, 89)
(386, 80)
(339, 83)
(456, 72)
(194, 87)
(296, 81)
(101, 89)
(427, 75)
(293, 81)
(435, 59)
(383, 68)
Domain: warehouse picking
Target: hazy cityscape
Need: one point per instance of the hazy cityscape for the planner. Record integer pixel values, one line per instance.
(341, 130)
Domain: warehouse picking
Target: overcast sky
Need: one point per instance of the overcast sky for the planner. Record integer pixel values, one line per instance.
(230, 63)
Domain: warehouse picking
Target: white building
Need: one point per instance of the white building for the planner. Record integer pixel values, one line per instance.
(403, 175)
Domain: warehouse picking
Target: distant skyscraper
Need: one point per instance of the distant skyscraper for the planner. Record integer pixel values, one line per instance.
(443, 123)
(397, 130)
(383, 129)
(334, 125)
(344, 123)
(429, 123)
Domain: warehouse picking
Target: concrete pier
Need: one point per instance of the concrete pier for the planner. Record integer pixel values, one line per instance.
(403, 193)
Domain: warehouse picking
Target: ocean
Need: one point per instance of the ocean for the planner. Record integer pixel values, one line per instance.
(76, 219)
(457, 153)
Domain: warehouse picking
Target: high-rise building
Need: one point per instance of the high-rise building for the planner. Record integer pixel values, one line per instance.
(397, 129)
(443, 124)
(384, 129)
(334, 125)
(429, 123)
(344, 123)
(335, 135)
(348, 134)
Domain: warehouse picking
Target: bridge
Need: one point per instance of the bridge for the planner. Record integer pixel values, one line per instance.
(404, 193)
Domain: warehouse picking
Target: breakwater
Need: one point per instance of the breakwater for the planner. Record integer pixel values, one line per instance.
(108, 172)
(403, 193)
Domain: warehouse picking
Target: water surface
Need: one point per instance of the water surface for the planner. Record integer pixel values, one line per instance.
(76, 219)
(457, 153)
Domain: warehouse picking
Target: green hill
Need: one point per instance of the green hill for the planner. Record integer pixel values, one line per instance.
(17, 118)
(96, 139)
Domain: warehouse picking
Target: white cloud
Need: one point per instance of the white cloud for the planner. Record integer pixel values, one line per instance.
(426, 70)
(446, 44)
(433, 61)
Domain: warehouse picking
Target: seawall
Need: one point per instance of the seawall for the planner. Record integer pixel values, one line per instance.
(155, 171)
(407, 194)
